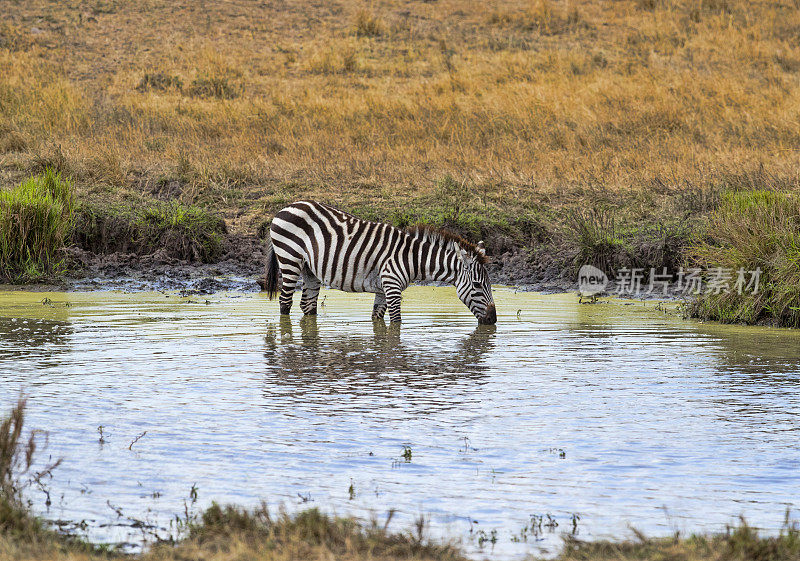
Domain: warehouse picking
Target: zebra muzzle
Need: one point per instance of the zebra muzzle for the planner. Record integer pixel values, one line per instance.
(490, 317)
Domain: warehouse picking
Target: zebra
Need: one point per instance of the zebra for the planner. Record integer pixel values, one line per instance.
(321, 244)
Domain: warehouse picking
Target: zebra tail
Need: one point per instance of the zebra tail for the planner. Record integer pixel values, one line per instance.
(271, 278)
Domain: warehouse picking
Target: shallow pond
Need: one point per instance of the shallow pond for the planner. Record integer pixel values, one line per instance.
(594, 417)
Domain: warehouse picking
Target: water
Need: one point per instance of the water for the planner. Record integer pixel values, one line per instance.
(618, 413)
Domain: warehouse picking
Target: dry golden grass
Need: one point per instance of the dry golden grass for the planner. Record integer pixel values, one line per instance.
(250, 105)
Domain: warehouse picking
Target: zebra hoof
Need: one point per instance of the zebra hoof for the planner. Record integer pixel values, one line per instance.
(285, 311)
(311, 312)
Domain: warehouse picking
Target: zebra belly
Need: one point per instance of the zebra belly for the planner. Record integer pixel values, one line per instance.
(359, 282)
(350, 278)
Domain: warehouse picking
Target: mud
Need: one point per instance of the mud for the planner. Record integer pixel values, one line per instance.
(241, 268)
(238, 269)
(542, 267)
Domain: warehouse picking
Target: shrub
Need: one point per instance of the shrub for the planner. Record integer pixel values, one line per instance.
(754, 230)
(35, 221)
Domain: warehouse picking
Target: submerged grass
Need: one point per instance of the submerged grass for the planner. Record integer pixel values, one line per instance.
(754, 230)
(35, 222)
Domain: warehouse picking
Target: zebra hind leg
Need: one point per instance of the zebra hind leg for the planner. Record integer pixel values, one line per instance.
(290, 274)
(311, 286)
(379, 307)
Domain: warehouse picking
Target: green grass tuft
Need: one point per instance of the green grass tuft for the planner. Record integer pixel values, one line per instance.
(35, 222)
(182, 231)
(750, 230)
(597, 238)
(739, 543)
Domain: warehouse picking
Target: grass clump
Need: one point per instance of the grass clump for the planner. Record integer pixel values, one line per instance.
(740, 543)
(159, 81)
(540, 16)
(183, 232)
(596, 237)
(597, 240)
(367, 24)
(749, 231)
(11, 140)
(231, 532)
(216, 86)
(17, 454)
(35, 222)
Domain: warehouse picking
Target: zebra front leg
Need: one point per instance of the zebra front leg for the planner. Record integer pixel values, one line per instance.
(289, 277)
(308, 301)
(379, 307)
(393, 295)
(393, 282)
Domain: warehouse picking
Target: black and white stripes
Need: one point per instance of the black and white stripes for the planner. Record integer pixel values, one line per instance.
(321, 244)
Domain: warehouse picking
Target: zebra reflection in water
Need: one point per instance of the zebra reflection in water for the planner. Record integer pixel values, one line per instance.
(365, 362)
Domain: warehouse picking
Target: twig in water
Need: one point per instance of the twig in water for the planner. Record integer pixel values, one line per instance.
(116, 509)
(135, 440)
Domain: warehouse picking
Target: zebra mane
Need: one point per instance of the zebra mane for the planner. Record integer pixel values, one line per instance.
(445, 238)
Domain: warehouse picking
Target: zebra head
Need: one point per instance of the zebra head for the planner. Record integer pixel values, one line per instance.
(473, 287)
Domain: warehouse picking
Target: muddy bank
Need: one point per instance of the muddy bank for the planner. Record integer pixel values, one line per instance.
(241, 267)
(142, 243)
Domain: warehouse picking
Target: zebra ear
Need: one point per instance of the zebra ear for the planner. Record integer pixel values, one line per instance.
(481, 248)
(462, 254)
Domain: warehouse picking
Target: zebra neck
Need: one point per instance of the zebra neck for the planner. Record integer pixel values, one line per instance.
(438, 264)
